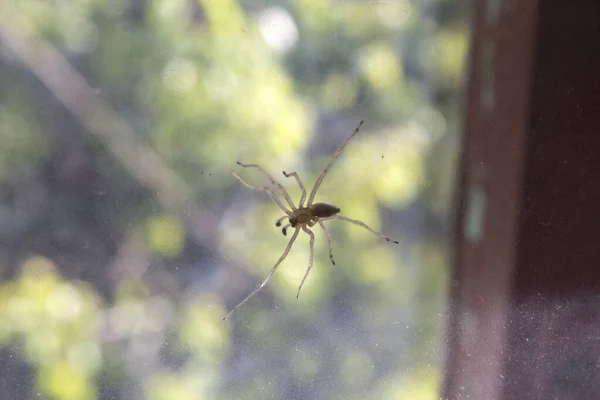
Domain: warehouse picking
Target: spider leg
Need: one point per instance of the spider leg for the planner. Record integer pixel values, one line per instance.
(360, 223)
(329, 241)
(258, 188)
(295, 175)
(273, 181)
(285, 253)
(333, 158)
(310, 260)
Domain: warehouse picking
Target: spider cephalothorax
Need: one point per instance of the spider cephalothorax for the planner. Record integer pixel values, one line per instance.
(301, 217)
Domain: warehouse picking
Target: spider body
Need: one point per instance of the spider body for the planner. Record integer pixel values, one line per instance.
(323, 210)
(309, 216)
(302, 217)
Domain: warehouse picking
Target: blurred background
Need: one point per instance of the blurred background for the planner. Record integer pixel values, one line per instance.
(118, 259)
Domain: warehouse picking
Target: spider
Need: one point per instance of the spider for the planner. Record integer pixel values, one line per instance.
(302, 217)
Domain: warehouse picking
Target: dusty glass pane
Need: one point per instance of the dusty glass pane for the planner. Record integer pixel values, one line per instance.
(119, 258)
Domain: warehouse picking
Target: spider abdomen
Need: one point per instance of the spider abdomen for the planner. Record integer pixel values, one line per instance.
(324, 210)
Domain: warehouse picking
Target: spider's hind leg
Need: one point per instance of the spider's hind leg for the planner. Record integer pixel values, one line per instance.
(285, 253)
(311, 257)
(328, 241)
(360, 223)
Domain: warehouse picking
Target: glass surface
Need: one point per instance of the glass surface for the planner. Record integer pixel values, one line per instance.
(119, 258)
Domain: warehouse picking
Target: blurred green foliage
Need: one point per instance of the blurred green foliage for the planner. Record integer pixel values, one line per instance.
(56, 322)
(24, 146)
(105, 294)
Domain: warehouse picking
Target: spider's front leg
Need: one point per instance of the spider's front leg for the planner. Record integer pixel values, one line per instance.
(337, 153)
(273, 181)
(257, 188)
(302, 188)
